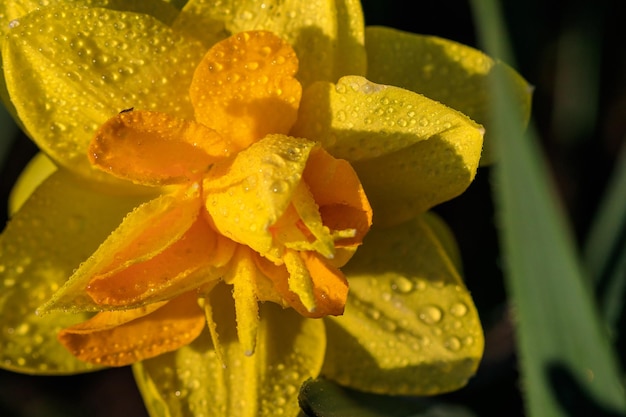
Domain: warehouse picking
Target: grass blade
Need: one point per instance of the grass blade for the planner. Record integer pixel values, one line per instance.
(568, 366)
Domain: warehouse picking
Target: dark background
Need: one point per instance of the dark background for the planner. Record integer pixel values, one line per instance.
(573, 53)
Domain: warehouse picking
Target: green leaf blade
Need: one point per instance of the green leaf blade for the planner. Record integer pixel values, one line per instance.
(567, 362)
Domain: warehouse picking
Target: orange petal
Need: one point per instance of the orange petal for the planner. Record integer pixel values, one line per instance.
(330, 288)
(144, 233)
(244, 88)
(118, 338)
(154, 148)
(338, 192)
(186, 264)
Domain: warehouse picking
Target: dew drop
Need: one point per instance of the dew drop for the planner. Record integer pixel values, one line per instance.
(22, 329)
(458, 309)
(215, 67)
(402, 285)
(340, 88)
(373, 313)
(453, 343)
(233, 77)
(423, 122)
(249, 183)
(291, 154)
(420, 285)
(279, 186)
(252, 66)
(246, 15)
(430, 314)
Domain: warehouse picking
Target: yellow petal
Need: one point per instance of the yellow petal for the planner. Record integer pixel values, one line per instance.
(118, 338)
(248, 196)
(300, 282)
(446, 237)
(147, 231)
(15, 9)
(409, 152)
(301, 228)
(57, 228)
(326, 34)
(37, 170)
(244, 88)
(69, 70)
(449, 72)
(410, 326)
(243, 275)
(192, 381)
(154, 148)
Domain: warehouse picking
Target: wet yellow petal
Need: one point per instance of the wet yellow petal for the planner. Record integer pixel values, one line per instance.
(69, 70)
(153, 148)
(410, 326)
(37, 170)
(445, 236)
(145, 232)
(15, 9)
(409, 152)
(192, 381)
(301, 228)
(359, 120)
(300, 282)
(454, 74)
(33, 265)
(247, 196)
(243, 275)
(118, 338)
(326, 34)
(244, 88)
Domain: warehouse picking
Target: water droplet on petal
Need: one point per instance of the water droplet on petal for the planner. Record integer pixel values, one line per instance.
(453, 343)
(279, 186)
(430, 314)
(252, 66)
(402, 285)
(373, 313)
(458, 309)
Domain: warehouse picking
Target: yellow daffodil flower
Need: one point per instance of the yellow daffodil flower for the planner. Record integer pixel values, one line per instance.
(213, 170)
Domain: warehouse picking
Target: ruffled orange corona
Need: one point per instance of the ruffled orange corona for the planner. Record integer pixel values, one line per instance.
(244, 193)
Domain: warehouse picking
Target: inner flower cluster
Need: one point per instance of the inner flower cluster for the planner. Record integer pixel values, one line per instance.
(245, 203)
